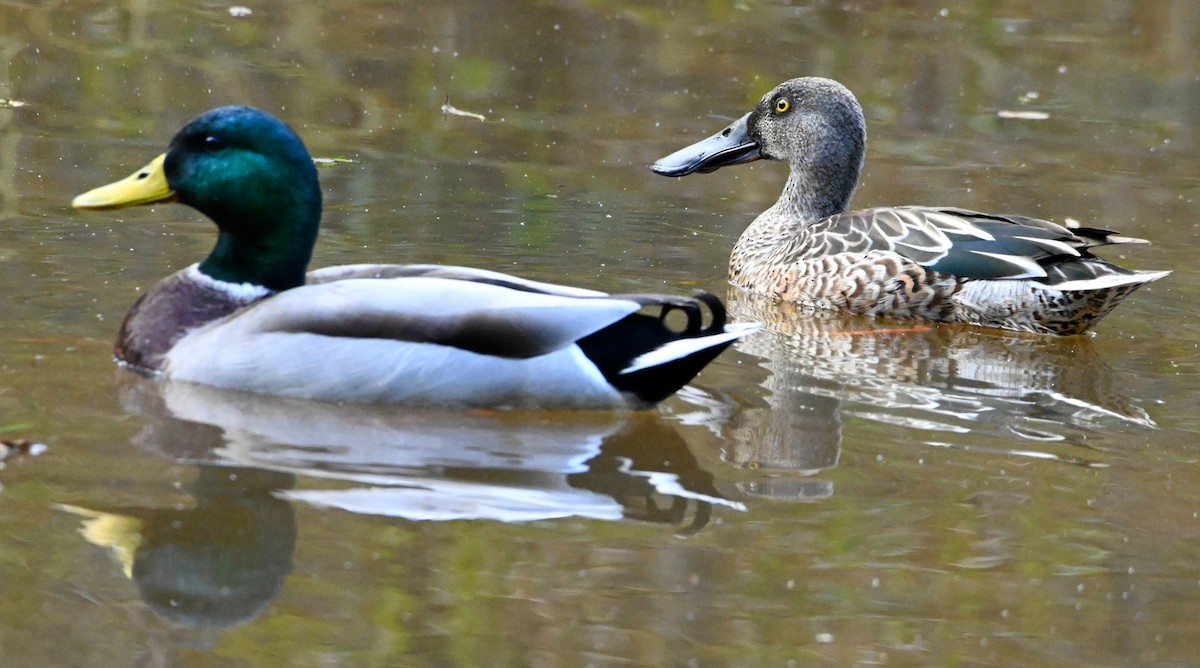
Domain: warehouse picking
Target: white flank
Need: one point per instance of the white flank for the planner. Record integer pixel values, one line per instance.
(240, 291)
(273, 347)
(681, 348)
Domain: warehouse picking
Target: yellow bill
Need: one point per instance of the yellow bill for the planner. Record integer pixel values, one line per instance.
(147, 185)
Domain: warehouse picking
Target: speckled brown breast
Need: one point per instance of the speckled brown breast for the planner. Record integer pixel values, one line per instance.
(877, 283)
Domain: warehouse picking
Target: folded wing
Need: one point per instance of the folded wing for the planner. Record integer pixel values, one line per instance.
(977, 245)
(470, 315)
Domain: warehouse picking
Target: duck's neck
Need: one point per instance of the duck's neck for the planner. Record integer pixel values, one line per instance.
(781, 229)
(271, 256)
(809, 197)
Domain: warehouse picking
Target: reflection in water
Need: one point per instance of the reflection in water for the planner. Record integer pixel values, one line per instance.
(949, 385)
(215, 565)
(511, 466)
(221, 562)
(1096, 567)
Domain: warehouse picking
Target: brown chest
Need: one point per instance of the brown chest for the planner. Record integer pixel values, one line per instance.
(172, 308)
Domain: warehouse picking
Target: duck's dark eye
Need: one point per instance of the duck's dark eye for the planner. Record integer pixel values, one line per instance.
(211, 143)
(782, 105)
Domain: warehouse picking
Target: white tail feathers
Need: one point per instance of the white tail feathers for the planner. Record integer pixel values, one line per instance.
(681, 348)
(1111, 281)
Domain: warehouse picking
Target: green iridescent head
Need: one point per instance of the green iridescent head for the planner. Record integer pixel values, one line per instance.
(251, 174)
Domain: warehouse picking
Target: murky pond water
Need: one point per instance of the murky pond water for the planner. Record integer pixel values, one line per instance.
(831, 492)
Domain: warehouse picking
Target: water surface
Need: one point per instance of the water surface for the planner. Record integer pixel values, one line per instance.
(831, 492)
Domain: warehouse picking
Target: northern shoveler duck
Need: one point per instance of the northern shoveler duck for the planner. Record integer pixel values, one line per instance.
(249, 317)
(935, 263)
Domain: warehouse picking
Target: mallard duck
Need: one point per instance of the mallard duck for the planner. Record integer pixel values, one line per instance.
(249, 317)
(935, 263)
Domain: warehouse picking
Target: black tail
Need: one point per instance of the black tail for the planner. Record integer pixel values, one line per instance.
(614, 348)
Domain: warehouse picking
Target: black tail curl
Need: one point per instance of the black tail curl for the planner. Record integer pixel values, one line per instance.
(692, 307)
(614, 348)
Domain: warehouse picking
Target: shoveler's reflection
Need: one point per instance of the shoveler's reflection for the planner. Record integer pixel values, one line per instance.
(951, 386)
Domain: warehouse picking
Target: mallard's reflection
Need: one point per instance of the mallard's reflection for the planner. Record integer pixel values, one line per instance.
(222, 561)
(215, 565)
(948, 385)
(511, 466)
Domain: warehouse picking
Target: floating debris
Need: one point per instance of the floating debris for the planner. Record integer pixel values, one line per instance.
(19, 446)
(1023, 115)
(325, 162)
(11, 104)
(238, 11)
(451, 110)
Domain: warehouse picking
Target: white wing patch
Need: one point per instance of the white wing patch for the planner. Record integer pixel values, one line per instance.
(949, 224)
(1052, 246)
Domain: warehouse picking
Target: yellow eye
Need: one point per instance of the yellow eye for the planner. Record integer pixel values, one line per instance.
(782, 105)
